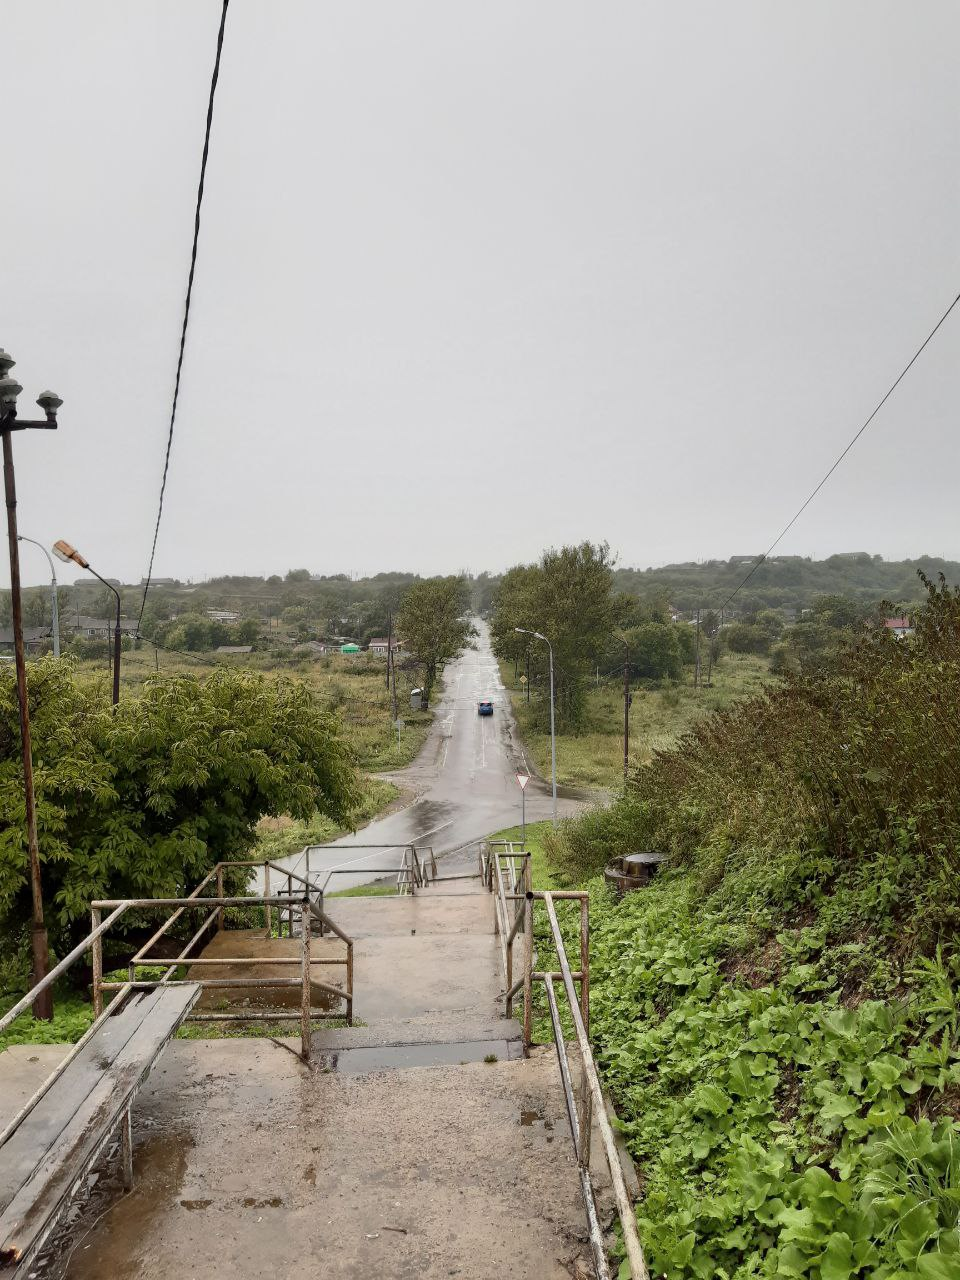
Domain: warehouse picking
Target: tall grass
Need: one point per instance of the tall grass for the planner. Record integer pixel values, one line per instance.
(659, 715)
(844, 780)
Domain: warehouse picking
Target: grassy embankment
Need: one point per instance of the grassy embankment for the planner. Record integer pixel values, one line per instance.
(777, 1015)
(658, 716)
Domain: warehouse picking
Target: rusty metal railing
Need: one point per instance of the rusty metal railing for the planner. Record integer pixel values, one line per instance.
(303, 904)
(214, 907)
(417, 866)
(590, 1108)
(505, 870)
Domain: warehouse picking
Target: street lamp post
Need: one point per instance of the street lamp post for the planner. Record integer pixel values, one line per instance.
(9, 422)
(64, 551)
(54, 605)
(553, 734)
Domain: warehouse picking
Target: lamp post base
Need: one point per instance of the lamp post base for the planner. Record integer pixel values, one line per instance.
(43, 1005)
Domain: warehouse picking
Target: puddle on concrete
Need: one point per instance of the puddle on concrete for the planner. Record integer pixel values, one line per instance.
(272, 1202)
(250, 944)
(397, 1057)
(530, 1118)
(160, 1160)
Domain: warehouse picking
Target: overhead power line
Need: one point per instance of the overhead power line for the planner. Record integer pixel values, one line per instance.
(800, 510)
(186, 305)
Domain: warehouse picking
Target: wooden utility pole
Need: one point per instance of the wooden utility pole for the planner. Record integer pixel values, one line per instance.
(696, 670)
(710, 659)
(389, 648)
(528, 673)
(626, 718)
(393, 683)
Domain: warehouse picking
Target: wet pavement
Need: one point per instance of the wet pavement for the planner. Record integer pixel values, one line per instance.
(418, 1144)
(465, 778)
(248, 1164)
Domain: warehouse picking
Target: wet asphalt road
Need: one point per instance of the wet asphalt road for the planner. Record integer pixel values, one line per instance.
(466, 777)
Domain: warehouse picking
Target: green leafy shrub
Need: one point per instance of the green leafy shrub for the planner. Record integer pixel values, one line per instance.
(779, 1131)
(144, 800)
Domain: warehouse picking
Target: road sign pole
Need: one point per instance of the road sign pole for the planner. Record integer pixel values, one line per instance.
(522, 780)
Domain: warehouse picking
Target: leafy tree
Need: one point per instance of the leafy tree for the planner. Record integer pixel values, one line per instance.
(567, 598)
(246, 631)
(192, 633)
(840, 612)
(656, 651)
(144, 800)
(36, 608)
(748, 637)
(432, 624)
(297, 575)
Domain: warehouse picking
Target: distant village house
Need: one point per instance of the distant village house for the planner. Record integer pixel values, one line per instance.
(380, 647)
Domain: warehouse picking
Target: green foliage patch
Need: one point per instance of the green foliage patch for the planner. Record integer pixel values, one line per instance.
(776, 1015)
(778, 1130)
(142, 801)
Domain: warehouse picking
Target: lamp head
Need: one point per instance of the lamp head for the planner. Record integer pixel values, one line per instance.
(49, 402)
(63, 551)
(10, 388)
(6, 362)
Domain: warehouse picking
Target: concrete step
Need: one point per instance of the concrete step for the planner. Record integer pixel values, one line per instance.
(397, 1057)
(462, 1027)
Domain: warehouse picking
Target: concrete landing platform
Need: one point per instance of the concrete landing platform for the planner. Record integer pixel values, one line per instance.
(248, 1164)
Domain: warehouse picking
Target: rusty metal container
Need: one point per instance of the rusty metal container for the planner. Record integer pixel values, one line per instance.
(633, 871)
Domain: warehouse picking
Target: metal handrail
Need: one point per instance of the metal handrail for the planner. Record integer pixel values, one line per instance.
(591, 1106)
(592, 1101)
(519, 871)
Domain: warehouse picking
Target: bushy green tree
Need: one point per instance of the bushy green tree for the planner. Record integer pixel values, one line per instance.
(567, 598)
(655, 651)
(747, 637)
(193, 633)
(144, 800)
(246, 631)
(433, 625)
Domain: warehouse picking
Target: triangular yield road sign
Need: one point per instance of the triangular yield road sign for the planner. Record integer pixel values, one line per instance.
(523, 779)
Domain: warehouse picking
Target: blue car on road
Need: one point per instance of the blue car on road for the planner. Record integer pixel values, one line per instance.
(485, 708)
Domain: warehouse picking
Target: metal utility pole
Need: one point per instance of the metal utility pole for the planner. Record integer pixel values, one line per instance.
(49, 403)
(528, 673)
(54, 604)
(553, 730)
(696, 671)
(389, 648)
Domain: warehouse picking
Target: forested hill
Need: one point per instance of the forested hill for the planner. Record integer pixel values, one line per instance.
(787, 581)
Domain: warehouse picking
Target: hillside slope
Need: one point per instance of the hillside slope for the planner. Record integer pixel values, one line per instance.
(777, 1015)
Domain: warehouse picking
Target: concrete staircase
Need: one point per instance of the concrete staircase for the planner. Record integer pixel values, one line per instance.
(418, 1144)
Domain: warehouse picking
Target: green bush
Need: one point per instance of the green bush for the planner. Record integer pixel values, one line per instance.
(143, 800)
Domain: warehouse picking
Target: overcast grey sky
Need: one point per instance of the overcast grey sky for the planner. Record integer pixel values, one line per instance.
(479, 278)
